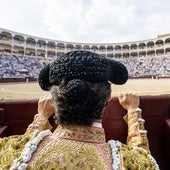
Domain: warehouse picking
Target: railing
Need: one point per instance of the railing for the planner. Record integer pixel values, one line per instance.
(16, 115)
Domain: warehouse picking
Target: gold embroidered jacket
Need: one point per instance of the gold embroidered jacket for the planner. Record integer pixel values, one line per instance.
(81, 148)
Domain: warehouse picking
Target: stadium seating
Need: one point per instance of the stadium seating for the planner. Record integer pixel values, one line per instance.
(147, 66)
(13, 66)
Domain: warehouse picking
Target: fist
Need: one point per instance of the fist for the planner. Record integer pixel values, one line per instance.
(129, 100)
(46, 106)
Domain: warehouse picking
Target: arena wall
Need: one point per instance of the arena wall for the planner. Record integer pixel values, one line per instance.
(15, 80)
(18, 43)
(16, 115)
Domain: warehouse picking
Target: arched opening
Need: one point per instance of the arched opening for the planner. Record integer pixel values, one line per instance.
(51, 45)
(41, 44)
(167, 41)
(125, 55)
(151, 53)
(94, 48)
(150, 44)
(18, 50)
(5, 36)
(110, 48)
(110, 55)
(69, 47)
(117, 48)
(142, 46)
(78, 47)
(19, 39)
(167, 50)
(86, 47)
(102, 48)
(60, 47)
(30, 51)
(51, 54)
(125, 47)
(142, 54)
(60, 54)
(118, 55)
(160, 52)
(41, 53)
(5, 48)
(159, 43)
(30, 42)
(134, 54)
(133, 47)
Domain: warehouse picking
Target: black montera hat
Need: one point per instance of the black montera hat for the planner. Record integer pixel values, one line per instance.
(84, 65)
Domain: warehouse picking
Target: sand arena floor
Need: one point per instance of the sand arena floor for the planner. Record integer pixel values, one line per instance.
(140, 86)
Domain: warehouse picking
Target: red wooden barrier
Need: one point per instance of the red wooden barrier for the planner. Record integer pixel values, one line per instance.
(17, 114)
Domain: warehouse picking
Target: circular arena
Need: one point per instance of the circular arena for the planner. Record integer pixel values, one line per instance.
(22, 56)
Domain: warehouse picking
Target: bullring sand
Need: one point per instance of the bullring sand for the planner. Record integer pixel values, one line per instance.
(140, 86)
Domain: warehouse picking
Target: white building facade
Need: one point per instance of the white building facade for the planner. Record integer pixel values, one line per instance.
(23, 44)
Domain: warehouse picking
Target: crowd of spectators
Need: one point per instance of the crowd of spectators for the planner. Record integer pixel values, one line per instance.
(14, 66)
(148, 66)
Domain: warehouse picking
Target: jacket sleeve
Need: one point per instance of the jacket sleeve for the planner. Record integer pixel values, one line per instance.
(137, 135)
(39, 123)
